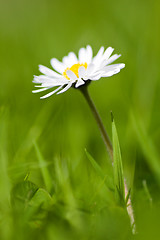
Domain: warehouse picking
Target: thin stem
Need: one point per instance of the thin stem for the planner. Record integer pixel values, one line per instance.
(97, 117)
(84, 90)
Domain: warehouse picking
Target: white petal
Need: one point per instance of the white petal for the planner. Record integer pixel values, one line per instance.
(41, 79)
(57, 65)
(96, 77)
(79, 83)
(114, 66)
(50, 80)
(89, 54)
(81, 71)
(90, 68)
(48, 71)
(51, 93)
(49, 85)
(65, 60)
(98, 57)
(38, 86)
(66, 88)
(39, 90)
(111, 73)
(108, 52)
(70, 60)
(82, 55)
(71, 75)
(112, 59)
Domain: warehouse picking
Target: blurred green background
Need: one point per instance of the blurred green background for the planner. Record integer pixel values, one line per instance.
(38, 135)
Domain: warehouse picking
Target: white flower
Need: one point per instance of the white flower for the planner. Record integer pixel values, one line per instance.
(77, 71)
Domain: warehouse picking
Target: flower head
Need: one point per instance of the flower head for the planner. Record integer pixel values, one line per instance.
(76, 71)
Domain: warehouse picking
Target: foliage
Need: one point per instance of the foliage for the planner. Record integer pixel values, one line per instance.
(50, 188)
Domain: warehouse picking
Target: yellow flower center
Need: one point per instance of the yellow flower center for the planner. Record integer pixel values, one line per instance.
(74, 69)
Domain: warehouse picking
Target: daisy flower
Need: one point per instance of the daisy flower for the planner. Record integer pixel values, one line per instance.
(77, 71)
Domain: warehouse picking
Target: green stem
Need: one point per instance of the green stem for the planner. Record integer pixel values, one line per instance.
(97, 117)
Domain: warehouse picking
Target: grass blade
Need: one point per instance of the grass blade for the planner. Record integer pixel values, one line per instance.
(108, 180)
(147, 146)
(43, 167)
(118, 167)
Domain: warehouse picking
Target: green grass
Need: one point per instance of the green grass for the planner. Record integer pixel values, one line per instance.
(50, 186)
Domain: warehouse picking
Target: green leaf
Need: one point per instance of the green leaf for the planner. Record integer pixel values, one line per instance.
(41, 198)
(107, 179)
(22, 193)
(31, 201)
(118, 168)
(39, 206)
